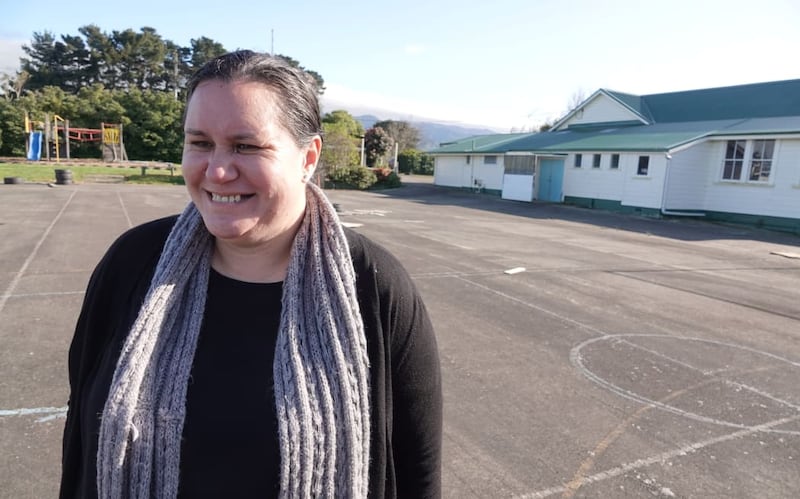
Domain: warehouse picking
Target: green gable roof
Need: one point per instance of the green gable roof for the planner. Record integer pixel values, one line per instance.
(635, 102)
(758, 100)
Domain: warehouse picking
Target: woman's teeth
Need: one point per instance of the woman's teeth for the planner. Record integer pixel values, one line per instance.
(217, 198)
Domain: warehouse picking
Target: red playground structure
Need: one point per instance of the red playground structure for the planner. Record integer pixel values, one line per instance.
(58, 134)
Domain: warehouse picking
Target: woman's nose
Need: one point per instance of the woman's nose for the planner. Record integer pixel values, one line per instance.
(221, 166)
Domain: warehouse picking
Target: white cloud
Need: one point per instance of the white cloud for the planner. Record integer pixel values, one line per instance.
(10, 52)
(388, 107)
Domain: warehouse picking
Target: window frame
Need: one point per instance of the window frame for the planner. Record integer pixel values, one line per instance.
(765, 144)
(578, 161)
(646, 165)
(753, 163)
(487, 161)
(732, 162)
(614, 163)
(597, 160)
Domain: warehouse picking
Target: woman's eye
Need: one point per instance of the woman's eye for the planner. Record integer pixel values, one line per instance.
(245, 148)
(201, 144)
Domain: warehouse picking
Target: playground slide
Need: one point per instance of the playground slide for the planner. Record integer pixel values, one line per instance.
(35, 146)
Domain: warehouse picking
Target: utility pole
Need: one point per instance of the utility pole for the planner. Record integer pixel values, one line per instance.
(175, 72)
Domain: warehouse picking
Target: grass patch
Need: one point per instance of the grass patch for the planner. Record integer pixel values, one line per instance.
(45, 173)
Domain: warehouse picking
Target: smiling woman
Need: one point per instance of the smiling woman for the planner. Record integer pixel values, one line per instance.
(252, 346)
(246, 175)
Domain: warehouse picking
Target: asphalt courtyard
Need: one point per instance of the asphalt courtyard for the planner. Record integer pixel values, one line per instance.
(630, 358)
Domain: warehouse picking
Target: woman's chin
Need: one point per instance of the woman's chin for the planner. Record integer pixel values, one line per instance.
(228, 230)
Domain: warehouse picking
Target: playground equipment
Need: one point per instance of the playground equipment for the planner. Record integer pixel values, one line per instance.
(57, 132)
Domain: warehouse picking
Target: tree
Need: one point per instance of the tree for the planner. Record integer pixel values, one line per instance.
(153, 125)
(344, 120)
(316, 77)
(12, 86)
(401, 132)
(377, 143)
(342, 140)
(575, 100)
(12, 128)
(120, 60)
(414, 161)
(43, 62)
(339, 149)
(204, 49)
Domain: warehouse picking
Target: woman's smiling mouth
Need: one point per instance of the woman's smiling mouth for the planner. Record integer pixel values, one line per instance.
(233, 198)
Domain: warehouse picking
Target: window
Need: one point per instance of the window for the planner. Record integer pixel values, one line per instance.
(490, 160)
(519, 165)
(578, 160)
(734, 158)
(761, 164)
(468, 158)
(644, 165)
(760, 152)
(596, 160)
(614, 161)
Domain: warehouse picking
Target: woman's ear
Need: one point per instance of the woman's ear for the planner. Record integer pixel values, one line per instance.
(313, 150)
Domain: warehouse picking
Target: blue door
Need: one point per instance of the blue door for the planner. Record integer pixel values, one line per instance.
(551, 179)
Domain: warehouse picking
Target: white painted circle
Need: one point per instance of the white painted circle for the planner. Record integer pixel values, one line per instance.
(577, 360)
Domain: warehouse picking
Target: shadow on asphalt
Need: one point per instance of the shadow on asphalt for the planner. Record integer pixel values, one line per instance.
(680, 228)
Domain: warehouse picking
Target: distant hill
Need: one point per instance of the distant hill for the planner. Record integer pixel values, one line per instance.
(432, 133)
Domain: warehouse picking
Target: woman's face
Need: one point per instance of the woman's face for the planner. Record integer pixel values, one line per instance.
(243, 170)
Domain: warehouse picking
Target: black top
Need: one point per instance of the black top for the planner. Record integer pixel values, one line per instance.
(230, 432)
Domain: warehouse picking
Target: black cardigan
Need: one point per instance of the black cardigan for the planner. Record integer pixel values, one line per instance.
(405, 382)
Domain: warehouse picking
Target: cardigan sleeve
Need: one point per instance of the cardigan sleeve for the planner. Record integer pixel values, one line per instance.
(417, 401)
(83, 351)
(415, 389)
(111, 295)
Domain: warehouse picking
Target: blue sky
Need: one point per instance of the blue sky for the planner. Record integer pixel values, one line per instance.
(504, 64)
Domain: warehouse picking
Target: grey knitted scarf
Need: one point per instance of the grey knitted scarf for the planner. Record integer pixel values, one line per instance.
(320, 368)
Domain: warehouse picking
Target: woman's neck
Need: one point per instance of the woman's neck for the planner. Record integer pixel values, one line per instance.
(266, 262)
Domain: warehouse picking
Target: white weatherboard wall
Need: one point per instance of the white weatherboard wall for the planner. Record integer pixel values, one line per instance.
(601, 109)
(490, 175)
(518, 187)
(689, 177)
(593, 183)
(643, 191)
(448, 170)
(778, 198)
(453, 171)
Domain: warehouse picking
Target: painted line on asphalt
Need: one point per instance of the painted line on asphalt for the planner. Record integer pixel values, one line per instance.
(580, 324)
(13, 284)
(660, 458)
(124, 210)
(50, 413)
(577, 360)
(52, 293)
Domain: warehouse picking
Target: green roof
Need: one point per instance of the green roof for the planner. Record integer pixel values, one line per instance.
(625, 142)
(477, 144)
(676, 118)
(635, 102)
(757, 100)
